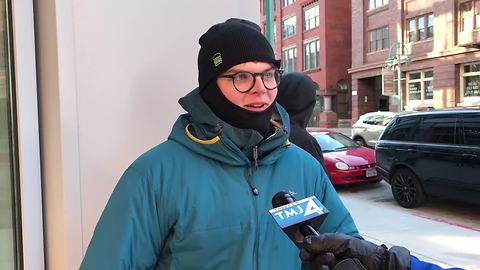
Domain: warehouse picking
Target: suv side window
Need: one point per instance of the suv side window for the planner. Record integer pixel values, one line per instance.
(471, 129)
(386, 120)
(373, 120)
(437, 129)
(400, 129)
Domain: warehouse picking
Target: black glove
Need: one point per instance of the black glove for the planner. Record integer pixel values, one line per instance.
(371, 256)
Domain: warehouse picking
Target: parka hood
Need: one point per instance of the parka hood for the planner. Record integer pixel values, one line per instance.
(206, 134)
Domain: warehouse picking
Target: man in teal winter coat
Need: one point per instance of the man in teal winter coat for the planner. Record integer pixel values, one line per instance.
(200, 200)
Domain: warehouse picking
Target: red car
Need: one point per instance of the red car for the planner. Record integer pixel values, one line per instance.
(346, 161)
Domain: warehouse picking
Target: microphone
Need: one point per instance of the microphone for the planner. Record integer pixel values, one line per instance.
(297, 218)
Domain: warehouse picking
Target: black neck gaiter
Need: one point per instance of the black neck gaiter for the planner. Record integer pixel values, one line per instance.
(235, 115)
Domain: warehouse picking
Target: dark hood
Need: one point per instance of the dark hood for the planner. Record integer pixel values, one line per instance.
(297, 94)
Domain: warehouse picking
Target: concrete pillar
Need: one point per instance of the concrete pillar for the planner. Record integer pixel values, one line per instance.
(328, 118)
(327, 103)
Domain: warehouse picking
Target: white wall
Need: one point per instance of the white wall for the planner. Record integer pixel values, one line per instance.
(28, 134)
(110, 73)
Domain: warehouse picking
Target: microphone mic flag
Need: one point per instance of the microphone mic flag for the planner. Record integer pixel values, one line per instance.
(297, 218)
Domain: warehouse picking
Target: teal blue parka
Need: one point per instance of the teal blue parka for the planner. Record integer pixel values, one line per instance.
(190, 203)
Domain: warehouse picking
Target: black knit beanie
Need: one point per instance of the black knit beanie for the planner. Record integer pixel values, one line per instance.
(227, 44)
(223, 46)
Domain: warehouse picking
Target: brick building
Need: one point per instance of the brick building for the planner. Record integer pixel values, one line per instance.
(442, 39)
(301, 28)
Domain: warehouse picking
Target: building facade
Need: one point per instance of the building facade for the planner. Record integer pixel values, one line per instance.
(301, 28)
(435, 43)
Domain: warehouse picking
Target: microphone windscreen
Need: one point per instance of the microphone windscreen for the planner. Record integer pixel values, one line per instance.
(282, 198)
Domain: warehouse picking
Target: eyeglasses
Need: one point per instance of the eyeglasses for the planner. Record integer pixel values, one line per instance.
(244, 81)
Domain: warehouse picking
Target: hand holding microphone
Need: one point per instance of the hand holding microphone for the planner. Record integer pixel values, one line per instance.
(301, 219)
(352, 253)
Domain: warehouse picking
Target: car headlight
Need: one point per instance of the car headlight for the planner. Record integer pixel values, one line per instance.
(342, 166)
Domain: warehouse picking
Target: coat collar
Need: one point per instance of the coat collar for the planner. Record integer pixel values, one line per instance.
(202, 131)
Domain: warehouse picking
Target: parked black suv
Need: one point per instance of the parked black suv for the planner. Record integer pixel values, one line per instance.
(431, 153)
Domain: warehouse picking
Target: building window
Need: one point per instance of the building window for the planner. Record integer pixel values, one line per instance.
(287, 2)
(274, 31)
(311, 57)
(289, 59)
(311, 17)
(378, 39)
(420, 85)
(470, 83)
(412, 27)
(288, 27)
(373, 4)
(420, 28)
(430, 25)
(469, 14)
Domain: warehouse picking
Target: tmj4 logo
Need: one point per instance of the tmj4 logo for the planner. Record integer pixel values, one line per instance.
(304, 207)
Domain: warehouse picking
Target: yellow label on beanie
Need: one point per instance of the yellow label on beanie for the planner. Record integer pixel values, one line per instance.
(217, 59)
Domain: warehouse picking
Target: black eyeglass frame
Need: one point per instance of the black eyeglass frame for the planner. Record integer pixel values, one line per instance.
(261, 74)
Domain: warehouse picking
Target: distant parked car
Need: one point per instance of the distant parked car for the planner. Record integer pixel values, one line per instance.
(370, 126)
(434, 153)
(346, 161)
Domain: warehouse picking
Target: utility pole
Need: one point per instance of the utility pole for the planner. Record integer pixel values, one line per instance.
(269, 22)
(398, 61)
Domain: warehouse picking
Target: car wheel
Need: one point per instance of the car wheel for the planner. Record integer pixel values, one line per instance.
(360, 141)
(406, 188)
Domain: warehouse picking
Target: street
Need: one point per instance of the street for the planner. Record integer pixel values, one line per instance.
(440, 231)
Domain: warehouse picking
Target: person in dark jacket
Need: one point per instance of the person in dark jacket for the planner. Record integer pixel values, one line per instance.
(297, 95)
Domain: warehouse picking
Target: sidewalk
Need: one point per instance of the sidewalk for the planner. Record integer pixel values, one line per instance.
(445, 244)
